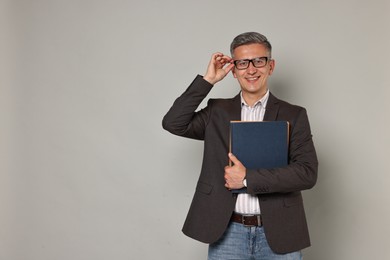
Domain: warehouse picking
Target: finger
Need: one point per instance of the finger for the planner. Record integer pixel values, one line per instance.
(221, 56)
(229, 68)
(228, 172)
(222, 60)
(227, 58)
(234, 159)
(217, 55)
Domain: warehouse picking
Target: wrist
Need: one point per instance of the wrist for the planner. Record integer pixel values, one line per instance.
(208, 79)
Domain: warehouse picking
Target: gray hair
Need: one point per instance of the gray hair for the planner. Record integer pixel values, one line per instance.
(249, 38)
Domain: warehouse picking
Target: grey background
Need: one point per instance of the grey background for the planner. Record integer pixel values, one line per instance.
(87, 171)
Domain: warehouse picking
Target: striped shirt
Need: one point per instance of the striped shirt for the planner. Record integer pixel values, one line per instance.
(246, 203)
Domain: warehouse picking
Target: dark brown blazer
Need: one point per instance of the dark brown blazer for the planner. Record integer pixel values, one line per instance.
(279, 189)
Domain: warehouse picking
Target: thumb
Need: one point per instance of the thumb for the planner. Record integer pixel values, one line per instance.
(228, 68)
(234, 159)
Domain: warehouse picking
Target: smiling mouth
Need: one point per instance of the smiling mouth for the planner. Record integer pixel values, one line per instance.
(252, 78)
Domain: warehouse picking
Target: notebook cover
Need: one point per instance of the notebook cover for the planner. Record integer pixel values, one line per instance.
(259, 144)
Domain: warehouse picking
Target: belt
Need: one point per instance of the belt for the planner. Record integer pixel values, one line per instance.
(247, 220)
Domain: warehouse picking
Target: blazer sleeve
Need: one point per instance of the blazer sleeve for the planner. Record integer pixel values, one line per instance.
(301, 172)
(182, 118)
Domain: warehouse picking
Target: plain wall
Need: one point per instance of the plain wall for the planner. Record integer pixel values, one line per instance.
(87, 172)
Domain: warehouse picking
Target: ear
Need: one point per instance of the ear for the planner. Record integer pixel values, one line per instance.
(234, 73)
(271, 67)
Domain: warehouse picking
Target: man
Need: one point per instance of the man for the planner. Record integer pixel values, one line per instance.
(267, 222)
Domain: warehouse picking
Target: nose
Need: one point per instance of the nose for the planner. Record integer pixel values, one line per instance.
(251, 68)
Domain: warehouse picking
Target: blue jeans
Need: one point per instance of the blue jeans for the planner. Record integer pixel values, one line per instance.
(240, 242)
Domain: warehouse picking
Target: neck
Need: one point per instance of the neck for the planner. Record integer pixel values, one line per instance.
(252, 98)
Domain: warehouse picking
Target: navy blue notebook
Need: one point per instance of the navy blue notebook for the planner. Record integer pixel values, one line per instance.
(259, 144)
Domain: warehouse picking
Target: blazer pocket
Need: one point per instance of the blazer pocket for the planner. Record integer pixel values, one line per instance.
(204, 188)
(293, 200)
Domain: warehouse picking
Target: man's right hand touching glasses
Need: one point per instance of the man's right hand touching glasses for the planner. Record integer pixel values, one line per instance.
(219, 66)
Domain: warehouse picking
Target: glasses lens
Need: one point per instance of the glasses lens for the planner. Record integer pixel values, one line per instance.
(242, 64)
(259, 62)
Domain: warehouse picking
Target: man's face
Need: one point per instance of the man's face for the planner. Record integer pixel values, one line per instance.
(253, 80)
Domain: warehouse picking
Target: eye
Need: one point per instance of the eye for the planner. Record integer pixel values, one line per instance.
(242, 63)
(259, 62)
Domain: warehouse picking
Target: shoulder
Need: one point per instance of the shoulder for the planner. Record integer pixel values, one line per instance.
(285, 110)
(223, 102)
(273, 100)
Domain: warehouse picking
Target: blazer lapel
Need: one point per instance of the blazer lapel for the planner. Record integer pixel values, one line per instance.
(271, 111)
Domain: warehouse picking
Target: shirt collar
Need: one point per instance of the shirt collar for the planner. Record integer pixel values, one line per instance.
(262, 101)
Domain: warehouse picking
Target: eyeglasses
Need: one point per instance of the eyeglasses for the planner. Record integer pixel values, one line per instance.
(257, 63)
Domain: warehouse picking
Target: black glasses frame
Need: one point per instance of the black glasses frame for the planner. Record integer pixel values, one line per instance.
(251, 61)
